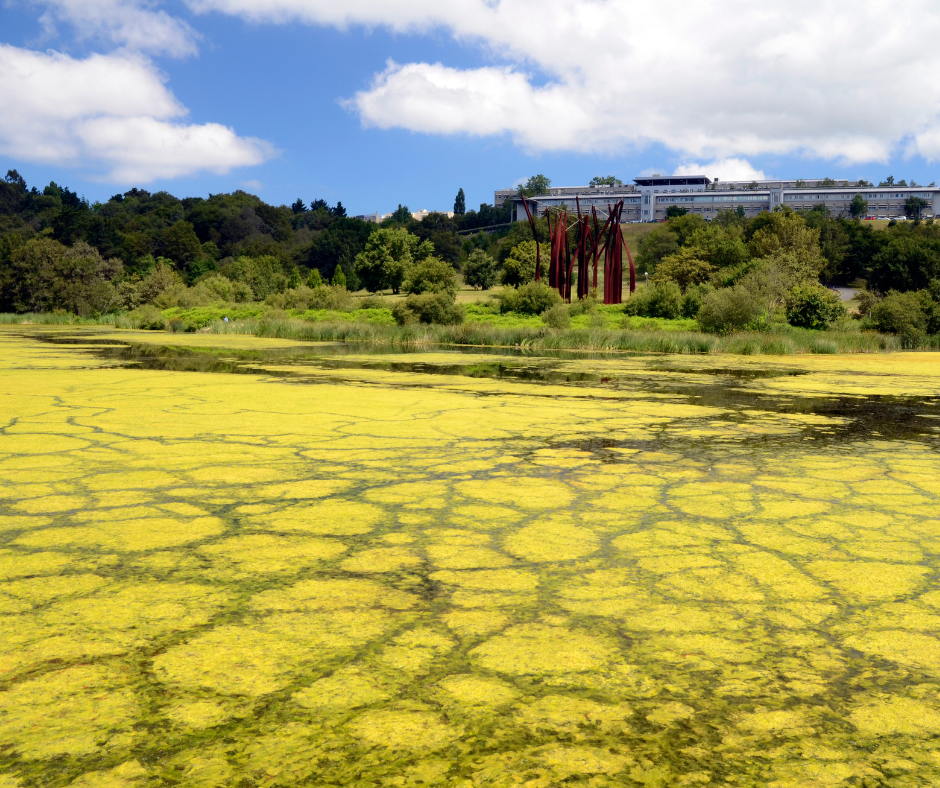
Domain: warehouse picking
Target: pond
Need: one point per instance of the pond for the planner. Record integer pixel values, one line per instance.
(229, 561)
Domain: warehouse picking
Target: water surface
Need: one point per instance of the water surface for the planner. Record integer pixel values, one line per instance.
(227, 561)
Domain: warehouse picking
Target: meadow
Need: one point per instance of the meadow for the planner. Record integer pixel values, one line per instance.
(230, 560)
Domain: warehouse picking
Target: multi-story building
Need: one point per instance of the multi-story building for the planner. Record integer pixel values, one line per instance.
(648, 199)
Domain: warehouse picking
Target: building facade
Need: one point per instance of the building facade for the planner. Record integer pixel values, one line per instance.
(648, 199)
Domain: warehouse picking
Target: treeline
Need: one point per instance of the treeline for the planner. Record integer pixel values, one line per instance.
(59, 251)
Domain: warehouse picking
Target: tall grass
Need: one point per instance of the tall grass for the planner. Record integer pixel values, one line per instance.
(779, 342)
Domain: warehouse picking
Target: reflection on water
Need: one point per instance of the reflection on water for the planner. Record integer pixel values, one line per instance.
(349, 567)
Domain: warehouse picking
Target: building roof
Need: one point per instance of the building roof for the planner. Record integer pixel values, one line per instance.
(672, 180)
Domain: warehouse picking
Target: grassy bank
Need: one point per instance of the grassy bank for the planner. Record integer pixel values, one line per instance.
(489, 329)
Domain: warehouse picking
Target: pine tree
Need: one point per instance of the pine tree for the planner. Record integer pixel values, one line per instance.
(339, 278)
(460, 204)
(314, 280)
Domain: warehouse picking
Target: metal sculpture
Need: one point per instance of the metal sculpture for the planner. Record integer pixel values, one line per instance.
(592, 241)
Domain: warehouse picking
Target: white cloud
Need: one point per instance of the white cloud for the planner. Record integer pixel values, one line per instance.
(112, 112)
(724, 169)
(131, 24)
(714, 79)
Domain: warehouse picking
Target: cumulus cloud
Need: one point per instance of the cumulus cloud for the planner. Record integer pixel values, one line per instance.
(110, 112)
(724, 169)
(130, 24)
(715, 79)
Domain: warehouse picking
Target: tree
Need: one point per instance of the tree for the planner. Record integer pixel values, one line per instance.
(889, 181)
(660, 243)
(906, 262)
(298, 206)
(826, 183)
(388, 254)
(314, 280)
(674, 211)
(339, 212)
(430, 275)
(480, 270)
(536, 185)
(813, 306)
(519, 266)
(319, 205)
(339, 278)
(913, 206)
(863, 184)
(858, 207)
(606, 180)
(684, 268)
(44, 275)
(460, 204)
(401, 215)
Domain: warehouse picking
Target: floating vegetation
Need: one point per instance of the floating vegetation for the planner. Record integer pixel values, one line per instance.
(480, 570)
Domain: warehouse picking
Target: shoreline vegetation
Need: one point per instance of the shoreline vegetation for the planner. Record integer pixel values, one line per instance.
(657, 336)
(770, 284)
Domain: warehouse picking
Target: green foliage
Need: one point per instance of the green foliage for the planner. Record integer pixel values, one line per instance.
(913, 207)
(905, 314)
(339, 278)
(519, 266)
(685, 226)
(430, 275)
(460, 204)
(520, 232)
(728, 309)
(332, 297)
(388, 254)
(683, 268)
(693, 297)
(314, 280)
(858, 208)
(606, 180)
(660, 299)
(532, 298)
(480, 270)
(438, 308)
(557, 316)
(675, 211)
(813, 306)
(264, 274)
(294, 281)
(660, 243)
(536, 185)
(44, 275)
(908, 260)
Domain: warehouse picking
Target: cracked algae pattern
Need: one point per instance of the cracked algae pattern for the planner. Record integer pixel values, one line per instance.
(399, 579)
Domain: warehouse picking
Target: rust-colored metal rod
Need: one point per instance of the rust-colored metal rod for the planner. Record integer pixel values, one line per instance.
(535, 235)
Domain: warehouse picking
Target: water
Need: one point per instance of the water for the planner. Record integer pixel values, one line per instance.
(344, 566)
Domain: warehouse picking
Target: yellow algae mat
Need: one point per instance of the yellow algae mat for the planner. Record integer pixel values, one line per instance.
(427, 569)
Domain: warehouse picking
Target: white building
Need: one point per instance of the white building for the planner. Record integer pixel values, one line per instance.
(648, 199)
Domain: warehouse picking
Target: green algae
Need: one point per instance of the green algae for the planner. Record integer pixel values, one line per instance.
(397, 572)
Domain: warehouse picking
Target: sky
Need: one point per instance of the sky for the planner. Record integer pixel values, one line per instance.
(376, 103)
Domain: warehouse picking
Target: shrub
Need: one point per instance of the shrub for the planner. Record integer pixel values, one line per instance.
(662, 299)
(530, 299)
(480, 270)
(339, 278)
(865, 300)
(813, 306)
(430, 275)
(903, 314)
(314, 280)
(148, 317)
(726, 310)
(692, 300)
(557, 317)
(438, 308)
(684, 268)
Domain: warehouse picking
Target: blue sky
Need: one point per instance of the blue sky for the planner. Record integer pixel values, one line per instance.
(571, 99)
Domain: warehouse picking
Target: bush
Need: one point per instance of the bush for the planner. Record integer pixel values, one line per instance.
(903, 314)
(865, 301)
(519, 266)
(557, 317)
(726, 310)
(530, 299)
(430, 275)
(339, 278)
(438, 308)
(480, 270)
(684, 268)
(662, 299)
(813, 306)
(692, 300)
(314, 280)
(148, 317)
